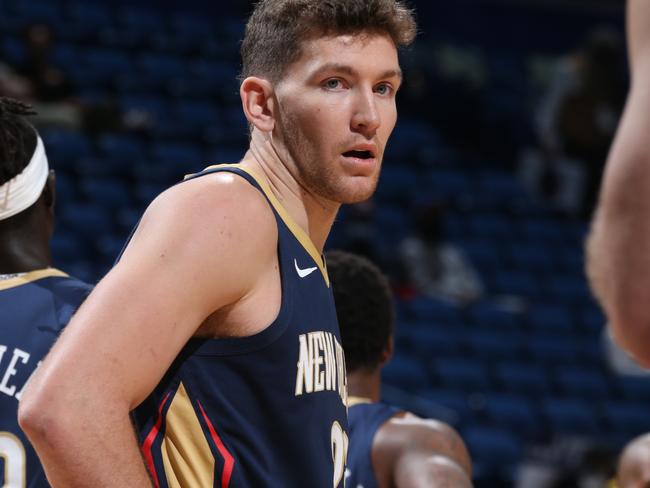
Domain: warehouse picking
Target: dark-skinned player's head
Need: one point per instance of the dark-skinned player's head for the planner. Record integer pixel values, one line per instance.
(276, 29)
(364, 307)
(26, 184)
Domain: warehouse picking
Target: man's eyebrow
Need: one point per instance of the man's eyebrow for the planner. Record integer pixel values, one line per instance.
(349, 70)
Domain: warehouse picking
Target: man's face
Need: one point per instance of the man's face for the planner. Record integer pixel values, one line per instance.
(336, 110)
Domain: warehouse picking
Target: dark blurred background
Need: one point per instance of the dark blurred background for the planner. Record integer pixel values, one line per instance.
(506, 116)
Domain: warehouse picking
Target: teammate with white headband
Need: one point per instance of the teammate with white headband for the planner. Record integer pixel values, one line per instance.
(36, 300)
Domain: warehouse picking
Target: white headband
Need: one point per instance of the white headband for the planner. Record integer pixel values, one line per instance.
(23, 190)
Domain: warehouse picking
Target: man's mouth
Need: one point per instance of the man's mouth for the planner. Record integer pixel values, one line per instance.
(358, 154)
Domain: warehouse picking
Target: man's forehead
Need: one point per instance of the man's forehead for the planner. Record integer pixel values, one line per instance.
(346, 48)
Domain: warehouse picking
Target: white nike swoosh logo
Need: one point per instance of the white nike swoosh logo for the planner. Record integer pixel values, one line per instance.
(303, 272)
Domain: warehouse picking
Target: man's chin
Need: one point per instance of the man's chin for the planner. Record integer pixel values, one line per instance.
(357, 195)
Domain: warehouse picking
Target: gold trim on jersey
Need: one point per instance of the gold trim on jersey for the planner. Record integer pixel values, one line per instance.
(295, 229)
(355, 400)
(31, 276)
(186, 455)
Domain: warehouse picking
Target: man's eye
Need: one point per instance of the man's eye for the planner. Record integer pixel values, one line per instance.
(333, 84)
(383, 89)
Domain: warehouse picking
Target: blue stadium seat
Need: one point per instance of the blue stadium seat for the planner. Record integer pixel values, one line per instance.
(590, 319)
(106, 62)
(500, 183)
(13, 51)
(546, 317)
(408, 136)
(483, 253)
(196, 114)
(427, 340)
(396, 184)
(406, 373)
(109, 247)
(179, 155)
(103, 167)
(120, 146)
(142, 19)
(493, 315)
(517, 283)
(393, 224)
(514, 413)
(588, 383)
(127, 218)
(145, 192)
(111, 193)
(67, 248)
(494, 345)
(523, 378)
(192, 26)
(89, 221)
(569, 288)
(452, 400)
(571, 415)
(427, 310)
(65, 147)
(551, 349)
(530, 257)
(38, 11)
(66, 55)
(542, 230)
(635, 388)
(66, 189)
(155, 107)
(630, 419)
(461, 373)
(492, 226)
(492, 445)
(447, 183)
(94, 15)
(160, 65)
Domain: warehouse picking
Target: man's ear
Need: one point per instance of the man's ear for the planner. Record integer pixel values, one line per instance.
(50, 190)
(258, 103)
(387, 353)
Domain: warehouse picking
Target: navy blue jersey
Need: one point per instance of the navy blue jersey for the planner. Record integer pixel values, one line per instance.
(34, 308)
(257, 411)
(365, 418)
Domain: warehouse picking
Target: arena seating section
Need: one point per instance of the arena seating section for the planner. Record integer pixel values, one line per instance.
(523, 364)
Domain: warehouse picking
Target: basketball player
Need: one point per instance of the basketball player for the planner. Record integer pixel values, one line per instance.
(388, 446)
(217, 326)
(634, 464)
(36, 300)
(618, 262)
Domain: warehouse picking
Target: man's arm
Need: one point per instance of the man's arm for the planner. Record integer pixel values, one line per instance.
(191, 255)
(411, 452)
(618, 248)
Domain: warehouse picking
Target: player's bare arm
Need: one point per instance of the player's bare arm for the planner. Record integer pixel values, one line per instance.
(411, 452)
(618, 262)
(192, 258)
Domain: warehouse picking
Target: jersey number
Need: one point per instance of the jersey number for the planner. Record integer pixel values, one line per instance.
(339, 452)
(13, 453)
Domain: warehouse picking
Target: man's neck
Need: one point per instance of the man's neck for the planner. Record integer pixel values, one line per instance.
(365, 384)
(19, 256)
(312, 213)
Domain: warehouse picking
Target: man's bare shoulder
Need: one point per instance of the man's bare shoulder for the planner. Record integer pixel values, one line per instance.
(207, 229)
(407, 432)
(219, 207)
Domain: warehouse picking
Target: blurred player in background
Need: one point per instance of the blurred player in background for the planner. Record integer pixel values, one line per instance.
(388, 446)
(618, 251)
(217, 327)
(634, 464)
(36, 300)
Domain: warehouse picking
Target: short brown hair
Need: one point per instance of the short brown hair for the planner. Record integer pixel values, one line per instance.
(276, 28)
